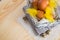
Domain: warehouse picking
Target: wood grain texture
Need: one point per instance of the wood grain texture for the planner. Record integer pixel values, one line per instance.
(8, 6)
(9, 28)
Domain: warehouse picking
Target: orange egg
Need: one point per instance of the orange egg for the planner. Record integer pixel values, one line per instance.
(34, 3)
(40, 14)
(42, 4)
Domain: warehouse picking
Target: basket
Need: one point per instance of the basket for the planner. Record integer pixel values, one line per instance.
(42, 26)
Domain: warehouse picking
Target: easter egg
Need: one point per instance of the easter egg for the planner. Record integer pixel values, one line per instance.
(49, 14)
(42, 4)
(40, 14)
(32, 12)
(53, 3)
(34, 3)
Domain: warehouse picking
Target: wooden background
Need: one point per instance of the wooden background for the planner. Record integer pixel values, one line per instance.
(10, 10)
(10, 29)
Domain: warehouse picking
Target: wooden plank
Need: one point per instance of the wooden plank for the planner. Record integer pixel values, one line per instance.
(9, 28)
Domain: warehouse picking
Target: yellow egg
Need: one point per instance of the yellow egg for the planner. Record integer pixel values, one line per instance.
(53, 3)
(48, 10)
(32, 12)
(48, 14)
(49, 18)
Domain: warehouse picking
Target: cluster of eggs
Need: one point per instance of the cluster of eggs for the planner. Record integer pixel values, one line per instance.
(42, 9)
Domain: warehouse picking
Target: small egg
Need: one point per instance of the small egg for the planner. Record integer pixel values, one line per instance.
(34, 3)
(40, 14)
(32, 12)
(53, 3)
(42, 4)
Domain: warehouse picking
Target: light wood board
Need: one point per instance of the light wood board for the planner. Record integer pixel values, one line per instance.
(10, 10)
